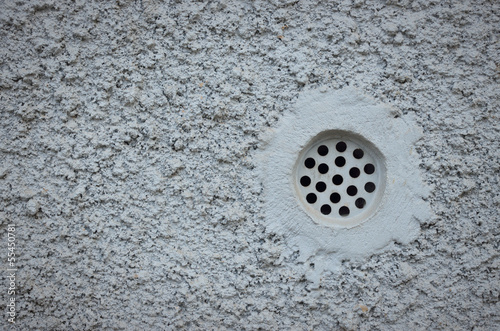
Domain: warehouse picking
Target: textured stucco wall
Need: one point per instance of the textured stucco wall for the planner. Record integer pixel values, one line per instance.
(128, 143)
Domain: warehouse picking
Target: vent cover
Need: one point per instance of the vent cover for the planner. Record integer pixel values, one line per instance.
(339, 178)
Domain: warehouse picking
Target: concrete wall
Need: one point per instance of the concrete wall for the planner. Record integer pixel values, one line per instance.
(128, 142)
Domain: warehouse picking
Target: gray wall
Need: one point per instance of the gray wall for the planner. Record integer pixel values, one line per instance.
(128, 137)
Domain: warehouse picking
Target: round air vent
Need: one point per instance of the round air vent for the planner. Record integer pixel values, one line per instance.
(339, 178)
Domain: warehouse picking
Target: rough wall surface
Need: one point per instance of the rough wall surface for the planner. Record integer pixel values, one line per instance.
(127, 143)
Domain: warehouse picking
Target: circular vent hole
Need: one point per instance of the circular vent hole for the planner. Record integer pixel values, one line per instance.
(310, 163)
(341, 146)
(337, 179)
(354, 172)
(352, 190)
(323, 168)
(358, 153)
(322, 150)
(360, 203)
(335, 197)
(369, 169)
(326, 210)
(311, 198)
(369, 187)
(340, 162)
(320, 186)
(344, 211)
(305, 181)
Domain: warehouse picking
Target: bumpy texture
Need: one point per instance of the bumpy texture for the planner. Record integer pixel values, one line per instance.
(127, 161)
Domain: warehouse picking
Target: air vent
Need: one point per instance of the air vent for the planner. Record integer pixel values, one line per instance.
(339, 178)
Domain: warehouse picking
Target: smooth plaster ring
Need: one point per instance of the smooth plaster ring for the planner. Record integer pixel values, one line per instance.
(391, 212)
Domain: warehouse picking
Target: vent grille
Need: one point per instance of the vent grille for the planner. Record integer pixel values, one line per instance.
(340, 178)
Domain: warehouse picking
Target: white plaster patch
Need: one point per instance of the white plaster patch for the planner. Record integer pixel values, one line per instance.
(401, 206)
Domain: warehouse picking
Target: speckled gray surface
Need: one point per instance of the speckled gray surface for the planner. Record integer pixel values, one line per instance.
(128, 141)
